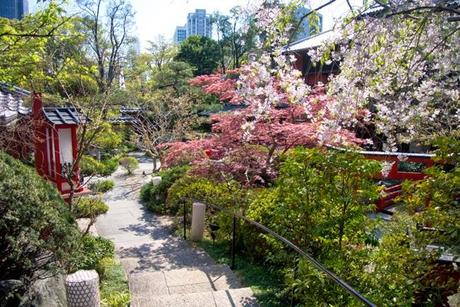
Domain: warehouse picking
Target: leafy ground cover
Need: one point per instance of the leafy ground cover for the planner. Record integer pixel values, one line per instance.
(102, 186)
(114, 284)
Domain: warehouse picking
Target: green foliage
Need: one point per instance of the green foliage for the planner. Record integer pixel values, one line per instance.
(129, 163)
(433, 203)
(91, 167)
(37, 232)
(109, 166)
(395, 270)
(154, 195)
(201, 52)
(107, 139)
(114, 284)
(23, 43)
(319, 203)
(228, 195)
(91, 251)
(236, 35)
(327, 194)
(102, 186)
(89, 207)
(173, 75)
(209, 108)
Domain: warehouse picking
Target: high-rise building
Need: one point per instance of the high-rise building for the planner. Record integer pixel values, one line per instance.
(180, 34)
(14, 9)
(199, 23)
(306, 29)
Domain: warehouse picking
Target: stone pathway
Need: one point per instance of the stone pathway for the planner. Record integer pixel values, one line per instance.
(163, 270)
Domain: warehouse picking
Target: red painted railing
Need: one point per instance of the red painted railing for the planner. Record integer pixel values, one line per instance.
(404, 166)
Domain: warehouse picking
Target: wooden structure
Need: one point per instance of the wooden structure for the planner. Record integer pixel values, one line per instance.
(56, 145)
(403, 166)
(311, 73)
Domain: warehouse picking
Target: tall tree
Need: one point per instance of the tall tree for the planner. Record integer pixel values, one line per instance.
(201, 52)
(236, 35)
(162, 52)
(23, 44)
(108, 36)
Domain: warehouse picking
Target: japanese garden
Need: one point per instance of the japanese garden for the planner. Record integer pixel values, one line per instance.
(266, 161)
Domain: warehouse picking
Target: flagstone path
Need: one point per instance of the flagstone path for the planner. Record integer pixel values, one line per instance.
(162, 270)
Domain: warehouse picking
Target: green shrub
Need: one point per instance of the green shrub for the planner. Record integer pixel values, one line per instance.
(102, 186)
(320, 202)
(114, 285)
(91, 167)
(129, 163)
(109, 166)
(89, 207)
(37, 231)
(91, 251)
(188, 189)
(154, 196)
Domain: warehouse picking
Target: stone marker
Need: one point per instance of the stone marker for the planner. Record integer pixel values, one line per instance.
(156, 180)
(198, 214)
(82, 288)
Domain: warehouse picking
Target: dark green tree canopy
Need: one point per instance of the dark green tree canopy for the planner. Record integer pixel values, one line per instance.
(201, 52)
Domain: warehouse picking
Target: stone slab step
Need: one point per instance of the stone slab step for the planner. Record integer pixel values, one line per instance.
(242, 297)
(181, 281)
(169, 257)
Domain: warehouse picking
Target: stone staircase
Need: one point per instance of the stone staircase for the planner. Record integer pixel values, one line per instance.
(163, 270)
(212, 285)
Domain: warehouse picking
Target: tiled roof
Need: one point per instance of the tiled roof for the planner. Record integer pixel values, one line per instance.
(63, 115)
(310, 42)
(123, 119)
(127, 115)
(11, 104)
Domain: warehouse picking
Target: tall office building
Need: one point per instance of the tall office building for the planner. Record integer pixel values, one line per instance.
(14, 9)
(199, 23)
(306, 29)
(180, 34)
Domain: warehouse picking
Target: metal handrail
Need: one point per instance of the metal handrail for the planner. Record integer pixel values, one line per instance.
(312, 260)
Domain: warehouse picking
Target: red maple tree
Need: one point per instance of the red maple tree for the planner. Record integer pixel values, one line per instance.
(251, 155)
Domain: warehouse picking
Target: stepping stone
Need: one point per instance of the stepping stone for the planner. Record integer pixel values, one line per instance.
(162, 259)
(235, 298)
(147, 284)
(242, 297)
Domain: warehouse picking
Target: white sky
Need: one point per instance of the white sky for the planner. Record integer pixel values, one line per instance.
(160, 17)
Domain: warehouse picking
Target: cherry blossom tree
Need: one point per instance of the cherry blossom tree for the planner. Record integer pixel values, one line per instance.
(401, 61)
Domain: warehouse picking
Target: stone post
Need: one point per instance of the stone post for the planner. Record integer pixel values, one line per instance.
(82, 288)
(198, 215)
